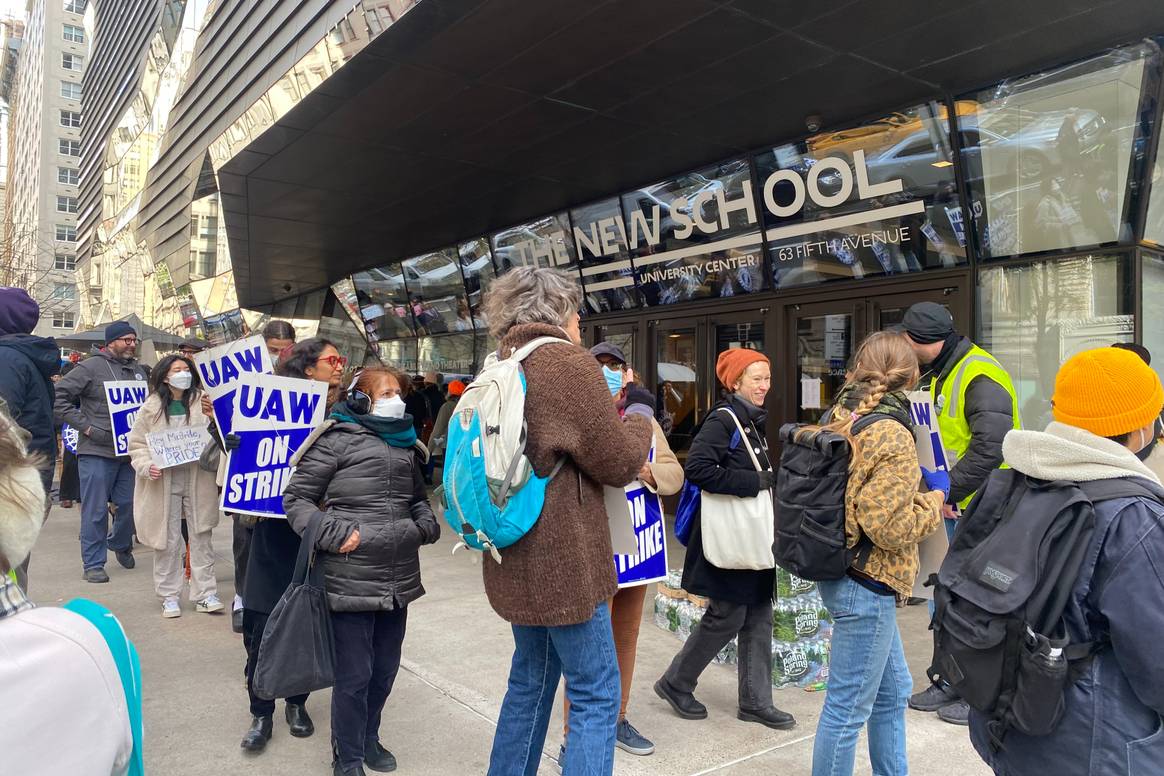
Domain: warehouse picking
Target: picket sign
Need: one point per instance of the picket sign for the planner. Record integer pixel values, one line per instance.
(637, 532)
(931, 454)
(69, 438)
(219, 369)
(178, 445)
(125, 398)
(272, 416)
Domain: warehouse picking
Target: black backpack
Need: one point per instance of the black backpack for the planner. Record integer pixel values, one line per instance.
(1000, 639)
(810, 501)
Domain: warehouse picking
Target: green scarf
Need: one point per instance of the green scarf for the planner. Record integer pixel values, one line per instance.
(396, 432)
(894, 403)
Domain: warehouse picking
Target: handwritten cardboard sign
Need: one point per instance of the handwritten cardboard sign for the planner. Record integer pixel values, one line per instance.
(178, 445)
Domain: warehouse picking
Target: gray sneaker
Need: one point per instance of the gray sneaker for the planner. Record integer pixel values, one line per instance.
(630, 740)
(956, 713)
(933, 698)
(96, 575)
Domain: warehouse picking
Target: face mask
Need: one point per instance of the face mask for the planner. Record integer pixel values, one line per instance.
(1147, 449)
(392, 407)
(613, 379)
(181, 380)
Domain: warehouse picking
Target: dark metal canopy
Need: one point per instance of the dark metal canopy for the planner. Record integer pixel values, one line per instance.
(468, 116)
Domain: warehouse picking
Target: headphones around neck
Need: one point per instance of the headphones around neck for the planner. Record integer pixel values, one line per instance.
(358, 402)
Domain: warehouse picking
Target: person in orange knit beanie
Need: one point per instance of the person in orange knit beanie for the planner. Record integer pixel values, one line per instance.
(1105, 405)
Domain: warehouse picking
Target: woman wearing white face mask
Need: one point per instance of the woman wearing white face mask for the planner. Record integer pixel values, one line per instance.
(362, 470)
(162, 498)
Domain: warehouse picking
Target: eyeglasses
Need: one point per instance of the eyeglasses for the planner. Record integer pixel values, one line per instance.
(335, 362)
(127, 340)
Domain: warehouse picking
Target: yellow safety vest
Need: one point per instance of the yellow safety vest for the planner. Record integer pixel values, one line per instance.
(950, 402)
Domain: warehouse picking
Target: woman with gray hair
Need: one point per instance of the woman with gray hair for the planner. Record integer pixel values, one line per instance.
(555, 583)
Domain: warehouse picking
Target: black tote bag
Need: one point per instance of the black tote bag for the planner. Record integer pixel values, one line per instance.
(297, 654)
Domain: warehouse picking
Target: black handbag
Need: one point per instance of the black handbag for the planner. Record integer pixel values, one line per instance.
(297, 654)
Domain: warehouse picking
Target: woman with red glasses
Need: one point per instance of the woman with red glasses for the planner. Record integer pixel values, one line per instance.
(274, 547)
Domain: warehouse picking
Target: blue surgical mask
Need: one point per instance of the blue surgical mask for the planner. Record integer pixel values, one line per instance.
(613, 379)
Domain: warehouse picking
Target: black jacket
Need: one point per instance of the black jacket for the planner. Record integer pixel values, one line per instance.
(29, 363)
(270, 565)
(719, 463)
(360, 482)
(990, 414)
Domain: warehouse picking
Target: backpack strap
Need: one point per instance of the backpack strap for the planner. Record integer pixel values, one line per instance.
(863, 422)
(1122, 487)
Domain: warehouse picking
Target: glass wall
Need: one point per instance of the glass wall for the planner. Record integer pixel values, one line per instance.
(383, 302)
(1152, 301)
(600, 237)
(477, 268)
(1047, 157)
(436, 293)
(544, 242)
(1033, 317)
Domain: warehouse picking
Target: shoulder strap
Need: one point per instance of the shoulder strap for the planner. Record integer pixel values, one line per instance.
(1122, 487)
(521, 353)
(865, 421)
(743, 438)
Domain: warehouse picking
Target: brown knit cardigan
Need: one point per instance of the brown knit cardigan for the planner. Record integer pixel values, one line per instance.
(563, 568)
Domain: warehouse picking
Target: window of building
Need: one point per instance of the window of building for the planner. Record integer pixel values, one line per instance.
(204, 262)
(66, 233)
(64, 320)
(69, 147)
(65, 291)
(74, 34)
(66, 204)
(1154, 224)
(68, 175)
(65, 261)
(477, 267)
(1047, 157)
(75, 6)
(1153, 324)
(1035, 316)
(608, 277)
(70, 118)
(72, 62)
(383, 302)
(70, 90)
(436, 293)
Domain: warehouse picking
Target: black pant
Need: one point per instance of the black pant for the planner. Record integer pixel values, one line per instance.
(367, 657)
(253, 625)
(241, 545)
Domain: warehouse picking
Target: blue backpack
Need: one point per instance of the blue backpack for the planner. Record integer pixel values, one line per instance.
(491, 495)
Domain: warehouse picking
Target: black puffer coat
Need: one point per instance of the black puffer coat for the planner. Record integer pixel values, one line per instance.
(719, 463)
(360, 482)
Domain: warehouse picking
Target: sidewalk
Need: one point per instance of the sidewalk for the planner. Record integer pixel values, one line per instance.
(440, 718)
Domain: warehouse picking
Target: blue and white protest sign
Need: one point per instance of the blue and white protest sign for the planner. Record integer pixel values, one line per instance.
(125, 398)
(931, 454)
(69, 438)
(272, 416)
(640, 555)
(220, 367)
(177, 445)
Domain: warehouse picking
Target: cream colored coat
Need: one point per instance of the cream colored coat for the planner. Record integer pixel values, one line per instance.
(151, 498)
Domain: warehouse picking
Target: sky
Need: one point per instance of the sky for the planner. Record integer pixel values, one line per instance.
(13, 8)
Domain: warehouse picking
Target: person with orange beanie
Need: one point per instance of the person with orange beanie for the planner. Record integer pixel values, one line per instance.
(723, 460)
(1106, 405)
(440, 427)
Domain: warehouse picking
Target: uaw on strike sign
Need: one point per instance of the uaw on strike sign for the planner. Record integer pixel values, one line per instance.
(640, 542)
(931, 454)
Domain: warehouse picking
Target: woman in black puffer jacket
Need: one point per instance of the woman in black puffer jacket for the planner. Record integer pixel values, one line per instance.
(362, 470)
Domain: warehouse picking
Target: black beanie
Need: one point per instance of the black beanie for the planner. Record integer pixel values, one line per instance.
(117, 330)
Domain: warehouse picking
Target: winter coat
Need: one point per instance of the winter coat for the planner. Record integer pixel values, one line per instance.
(882, 500)
(719, 463)
(271, 563)
(26, 386)
(359, 482)
(666, 469)
(560, 571)
(151, 498)
(1112, 717)
(438, 441)
(86, 385)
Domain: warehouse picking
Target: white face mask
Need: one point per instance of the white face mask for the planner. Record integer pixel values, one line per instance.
(181, 380)
(388, 408)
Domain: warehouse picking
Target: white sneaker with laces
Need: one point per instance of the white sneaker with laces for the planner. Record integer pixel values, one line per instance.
(209, 604)
(171, 608)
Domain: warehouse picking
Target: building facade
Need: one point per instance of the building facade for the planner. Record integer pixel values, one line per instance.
(366, 169)
(43, 68)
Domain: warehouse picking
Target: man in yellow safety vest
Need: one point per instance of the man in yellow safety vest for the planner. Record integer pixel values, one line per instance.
(976, 405)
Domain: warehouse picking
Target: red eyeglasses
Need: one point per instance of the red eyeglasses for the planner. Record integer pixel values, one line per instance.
(335, 362)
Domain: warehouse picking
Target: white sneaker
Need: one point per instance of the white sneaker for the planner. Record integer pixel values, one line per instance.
(171, 608)
(209, 604)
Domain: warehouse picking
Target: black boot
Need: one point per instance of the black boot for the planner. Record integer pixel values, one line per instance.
(771, 717)
(257, 737)
(338, 770)
(378, 758)
(299, 721)
(683, 703)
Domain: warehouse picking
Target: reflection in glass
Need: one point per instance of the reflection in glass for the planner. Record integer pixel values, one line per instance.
(455, 356)
(876, 199)
(824, 344)
(436, 292)
(477, 267)
(1035, 316)
(600, 239)
(1152, 282)
(383, 302)
(696, 236)
(400, 353)
(1154, 224)
(345, 293)
(676, 385)
(1047, 156)
(225, 327)
(545, 242)
(216, 294)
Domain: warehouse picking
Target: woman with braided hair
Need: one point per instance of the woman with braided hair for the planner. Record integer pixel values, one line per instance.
(894, 504)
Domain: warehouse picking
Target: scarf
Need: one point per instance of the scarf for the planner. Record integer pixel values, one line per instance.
(396, 432)
(894, 403)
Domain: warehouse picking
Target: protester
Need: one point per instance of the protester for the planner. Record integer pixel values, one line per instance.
(416, 404)
(740, 601)
(554, 583)
(105, 477)
(1106, 404)
(163, 498)
(65, 709)
(440, 428)
(69, 489)
(1153, 453)
(192, 346)
(274, 547)
(976, 405)
(869, 681)
(664, 476)
(434, 392)
(279, 336)
(364, 463)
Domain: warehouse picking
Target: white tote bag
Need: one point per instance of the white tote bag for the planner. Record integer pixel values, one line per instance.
(738, 533)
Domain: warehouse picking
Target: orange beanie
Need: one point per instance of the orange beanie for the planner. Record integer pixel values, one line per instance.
(731, 365)
(1107, 391)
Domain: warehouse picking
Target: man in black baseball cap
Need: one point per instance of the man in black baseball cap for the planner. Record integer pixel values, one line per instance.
(976, 406)
(191, 346)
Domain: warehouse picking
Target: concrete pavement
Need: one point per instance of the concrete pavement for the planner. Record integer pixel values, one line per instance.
(440, 718)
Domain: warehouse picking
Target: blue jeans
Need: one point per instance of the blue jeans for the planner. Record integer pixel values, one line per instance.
(869, 682)
(104, 480)
(585, 655)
